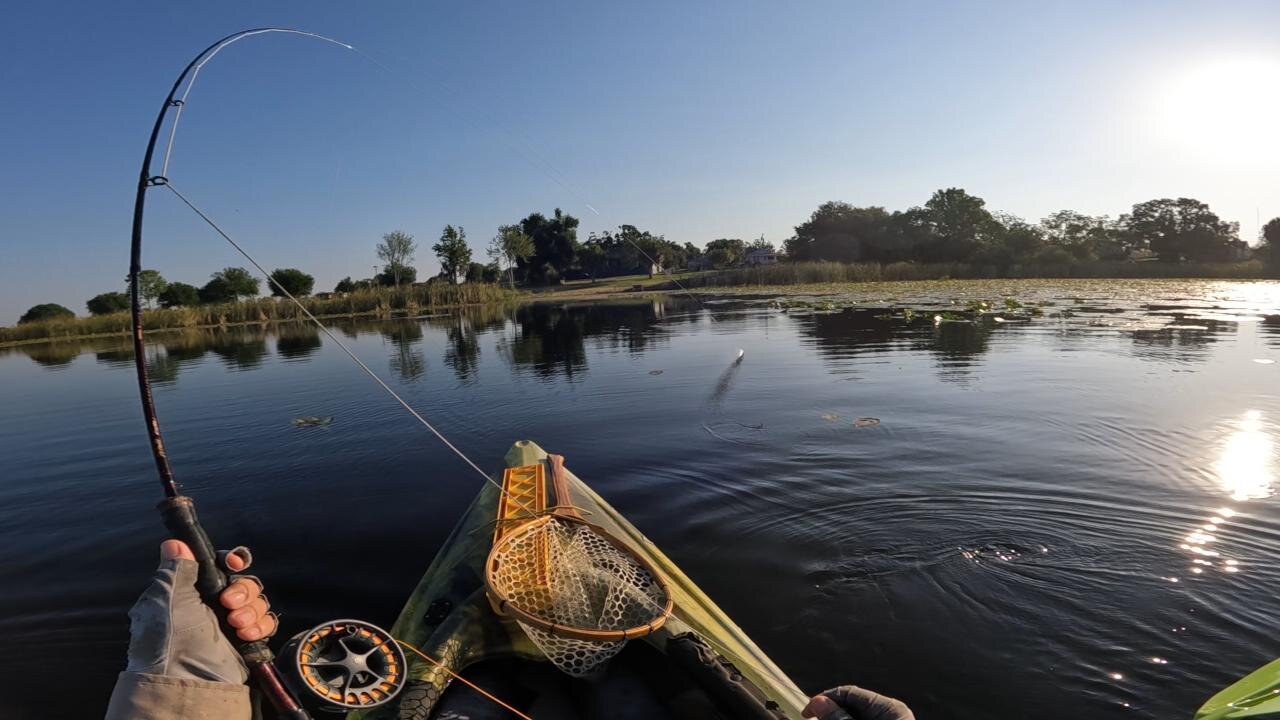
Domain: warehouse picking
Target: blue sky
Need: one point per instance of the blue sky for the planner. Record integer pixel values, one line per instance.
(694, 120)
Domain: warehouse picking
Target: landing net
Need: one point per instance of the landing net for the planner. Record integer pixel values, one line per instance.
(578, 594)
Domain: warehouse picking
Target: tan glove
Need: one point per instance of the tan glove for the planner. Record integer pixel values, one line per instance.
(850, 702)
(180, 663)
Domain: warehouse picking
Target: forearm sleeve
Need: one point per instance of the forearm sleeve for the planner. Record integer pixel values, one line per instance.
(142, 696)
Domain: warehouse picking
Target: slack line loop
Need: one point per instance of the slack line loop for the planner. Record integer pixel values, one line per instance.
(324, 329)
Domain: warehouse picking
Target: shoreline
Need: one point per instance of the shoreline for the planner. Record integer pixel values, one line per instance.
(640, 288)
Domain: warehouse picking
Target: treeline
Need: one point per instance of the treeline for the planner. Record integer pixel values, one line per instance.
(956, 227)
(225, 286)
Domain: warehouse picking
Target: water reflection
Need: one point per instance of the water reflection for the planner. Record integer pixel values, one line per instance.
(408, 362)
(298, 341)
(462, 353)
(842, 335)
(240, 348)
(549, 341)
(1185, 338)
(1270, 329)
(1245, 465)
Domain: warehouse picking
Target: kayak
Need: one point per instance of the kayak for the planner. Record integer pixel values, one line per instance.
(698, 664)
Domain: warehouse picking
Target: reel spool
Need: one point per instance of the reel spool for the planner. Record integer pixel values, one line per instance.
(346, 665)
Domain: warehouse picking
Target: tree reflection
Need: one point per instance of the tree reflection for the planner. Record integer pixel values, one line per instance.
(1185, 340)
(297, 342)
(548, 340)
(1270, 329)
(842, 336)
(408, 363)
(239, 348)
(462, 354)
(958, 347)
(51, 355)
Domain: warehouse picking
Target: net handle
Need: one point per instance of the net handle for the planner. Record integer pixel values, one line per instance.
(505, 606)
(560, 489)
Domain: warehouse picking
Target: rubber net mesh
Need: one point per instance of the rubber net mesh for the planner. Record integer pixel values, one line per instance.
(565, 573)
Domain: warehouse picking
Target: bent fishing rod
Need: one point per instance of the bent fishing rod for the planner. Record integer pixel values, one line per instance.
(178, 510)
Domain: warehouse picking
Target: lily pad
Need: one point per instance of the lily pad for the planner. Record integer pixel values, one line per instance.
(312, 421)
(655, 372)
(866, 422)
(830, 417)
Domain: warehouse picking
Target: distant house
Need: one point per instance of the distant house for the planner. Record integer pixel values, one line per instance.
(760, 257)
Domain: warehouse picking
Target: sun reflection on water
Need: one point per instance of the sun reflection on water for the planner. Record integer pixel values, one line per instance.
(1245, 466)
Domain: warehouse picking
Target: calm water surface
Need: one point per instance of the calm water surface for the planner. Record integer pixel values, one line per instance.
(1066, 517)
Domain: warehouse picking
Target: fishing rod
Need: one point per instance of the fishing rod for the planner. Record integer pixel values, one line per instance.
(177, 510)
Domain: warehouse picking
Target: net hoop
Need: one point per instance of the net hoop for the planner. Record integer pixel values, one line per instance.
(506, 606)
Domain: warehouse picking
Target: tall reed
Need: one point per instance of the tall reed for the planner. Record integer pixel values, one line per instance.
(831, 272)
(378, 301)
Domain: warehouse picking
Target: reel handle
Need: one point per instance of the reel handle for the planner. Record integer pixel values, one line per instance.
(179, 514)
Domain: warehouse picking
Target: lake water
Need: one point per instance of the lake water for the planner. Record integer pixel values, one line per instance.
(1067, 514)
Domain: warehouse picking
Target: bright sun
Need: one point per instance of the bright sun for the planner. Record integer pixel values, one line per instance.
(1226, 111)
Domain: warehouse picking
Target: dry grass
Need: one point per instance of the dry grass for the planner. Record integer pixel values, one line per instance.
(382, 301)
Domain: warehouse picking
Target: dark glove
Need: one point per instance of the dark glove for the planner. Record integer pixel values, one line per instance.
(850, 702)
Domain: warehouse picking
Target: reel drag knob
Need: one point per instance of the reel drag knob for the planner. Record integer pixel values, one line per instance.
(345, 665)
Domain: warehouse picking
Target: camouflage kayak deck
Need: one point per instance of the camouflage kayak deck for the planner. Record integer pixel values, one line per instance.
(450, 619)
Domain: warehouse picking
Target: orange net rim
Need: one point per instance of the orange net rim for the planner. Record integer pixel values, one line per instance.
(505, 606)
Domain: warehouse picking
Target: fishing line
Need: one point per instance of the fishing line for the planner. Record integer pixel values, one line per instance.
(461, 679)
(332, 336)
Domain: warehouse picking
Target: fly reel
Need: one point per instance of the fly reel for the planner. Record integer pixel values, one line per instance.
(345, 665)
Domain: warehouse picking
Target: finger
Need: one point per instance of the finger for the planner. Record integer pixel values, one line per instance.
(249, 614)
(175, 550)
(818, 707)
(239, 594)
(236, 559)
(264, 628)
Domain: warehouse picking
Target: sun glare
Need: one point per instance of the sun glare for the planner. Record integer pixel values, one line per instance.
(1223, 110)
(1245, 465)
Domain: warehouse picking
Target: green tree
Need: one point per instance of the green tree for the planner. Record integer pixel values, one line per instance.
(345, 285)
(482, 273)
(555, 241)
(47, 311)
(228, 285)
(107, 303)
(1085, 237)
(396, 275)
(396, 250)
(510, 247)
(840, 232)
(725, 251)
(591, 257)
(959, 226)
(294, 281)
(179, 294)
(150, 285)
(761, 244)
(1181, 229)
(453, 252)
(1271, 244)
(1011, 240)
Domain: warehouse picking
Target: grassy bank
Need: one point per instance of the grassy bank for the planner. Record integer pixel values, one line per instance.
(381, 301)
(830, 272)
